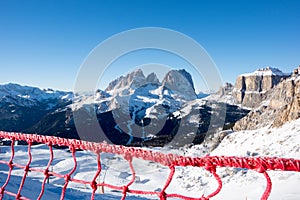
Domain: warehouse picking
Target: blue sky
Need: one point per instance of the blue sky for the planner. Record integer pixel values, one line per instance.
(43, 43)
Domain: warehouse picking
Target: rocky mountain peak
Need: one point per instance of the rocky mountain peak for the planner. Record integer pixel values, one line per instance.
(188, 77)
(133, 80)
(152, 78)
(180, 82)
(174, 77)
(251, 89)
(281, 104)
(226, 89)
(296, 72)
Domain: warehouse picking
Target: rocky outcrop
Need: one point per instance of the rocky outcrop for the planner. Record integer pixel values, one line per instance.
(177, 83)
(133, 80)
(282, 104)
(286, 101)
(180, 82)
(152, 78)
(251, 89)
(224, 94)
(226, 89)
(296, 72)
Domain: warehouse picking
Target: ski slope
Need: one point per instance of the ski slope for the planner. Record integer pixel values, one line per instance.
(189, 181)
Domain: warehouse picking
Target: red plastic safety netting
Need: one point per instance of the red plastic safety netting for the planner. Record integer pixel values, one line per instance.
(210, 163)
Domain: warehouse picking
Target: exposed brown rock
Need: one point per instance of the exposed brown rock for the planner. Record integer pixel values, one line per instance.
(251, 89)
(282, 104)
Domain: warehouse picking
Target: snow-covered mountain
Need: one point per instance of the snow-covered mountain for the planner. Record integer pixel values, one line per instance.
(280, 105)
(252, 88)
(130, 103)
(133, 110)
(28, 96)
(23, 106)
(176, 83)
(147, 112)
(144, 109)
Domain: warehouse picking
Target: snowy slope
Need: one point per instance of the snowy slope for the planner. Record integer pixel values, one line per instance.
(281, 142)
(238, 184)
(245, 184)
(63, 163)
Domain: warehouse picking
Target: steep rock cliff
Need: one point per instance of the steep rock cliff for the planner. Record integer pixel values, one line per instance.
(281, 105)
(251, 89)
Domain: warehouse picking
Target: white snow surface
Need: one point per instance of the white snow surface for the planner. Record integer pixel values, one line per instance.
(268, 71)
(189, 181)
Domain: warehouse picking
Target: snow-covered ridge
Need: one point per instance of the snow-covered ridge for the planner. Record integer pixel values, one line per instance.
(268, 71)
(18, 94)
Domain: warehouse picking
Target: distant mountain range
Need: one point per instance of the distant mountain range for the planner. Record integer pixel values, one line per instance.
(136, 109)
(22, 107)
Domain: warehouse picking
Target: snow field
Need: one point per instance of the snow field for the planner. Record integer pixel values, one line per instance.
(189, 181)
